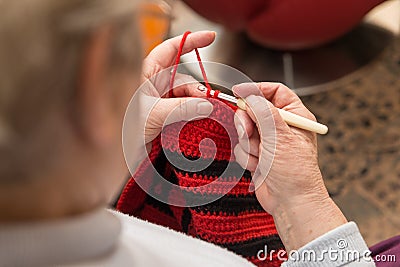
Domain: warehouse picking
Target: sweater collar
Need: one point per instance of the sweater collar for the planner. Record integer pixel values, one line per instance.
(60, 241)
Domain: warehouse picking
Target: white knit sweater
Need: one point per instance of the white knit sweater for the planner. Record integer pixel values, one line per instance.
(109, 238)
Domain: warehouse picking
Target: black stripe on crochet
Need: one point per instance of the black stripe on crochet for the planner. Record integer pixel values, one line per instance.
(250, 248)
(231, 205)
(160, 165)
(186, 220)
(216, 168)
(159, 205)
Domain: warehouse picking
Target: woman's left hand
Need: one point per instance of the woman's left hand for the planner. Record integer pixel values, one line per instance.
(156, 74)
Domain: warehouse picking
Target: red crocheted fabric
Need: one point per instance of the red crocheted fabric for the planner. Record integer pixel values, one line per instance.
(236, 220)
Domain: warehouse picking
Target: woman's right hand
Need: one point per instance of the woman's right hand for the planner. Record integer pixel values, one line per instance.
(284, 164)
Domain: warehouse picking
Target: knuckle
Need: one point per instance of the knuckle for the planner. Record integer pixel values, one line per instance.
(182, 108)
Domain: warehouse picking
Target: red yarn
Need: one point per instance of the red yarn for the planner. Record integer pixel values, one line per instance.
(216, 94)
(177, 60)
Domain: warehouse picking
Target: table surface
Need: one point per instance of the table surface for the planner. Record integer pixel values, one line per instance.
(360, 157)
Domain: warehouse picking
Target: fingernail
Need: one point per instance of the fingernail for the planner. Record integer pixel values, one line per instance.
(237, 88)
(204, 108)
(245, 89)
(253, 100)
(202, 88)
(240, 131)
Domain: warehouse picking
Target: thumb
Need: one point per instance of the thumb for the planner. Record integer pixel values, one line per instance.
(170, 110)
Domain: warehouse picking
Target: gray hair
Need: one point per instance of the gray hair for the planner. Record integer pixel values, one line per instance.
(40, 50)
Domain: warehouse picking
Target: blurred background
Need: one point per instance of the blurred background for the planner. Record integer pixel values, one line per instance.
(343, 59)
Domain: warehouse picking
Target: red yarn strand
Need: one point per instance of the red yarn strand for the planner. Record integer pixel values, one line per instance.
(203, 72)
(177, 60)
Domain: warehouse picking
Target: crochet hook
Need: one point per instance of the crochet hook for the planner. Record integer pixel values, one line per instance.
(289, 117)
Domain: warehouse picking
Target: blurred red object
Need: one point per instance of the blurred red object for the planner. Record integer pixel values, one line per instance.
(286, 24)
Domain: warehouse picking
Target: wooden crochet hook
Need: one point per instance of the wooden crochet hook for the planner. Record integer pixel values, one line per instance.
(289, 117)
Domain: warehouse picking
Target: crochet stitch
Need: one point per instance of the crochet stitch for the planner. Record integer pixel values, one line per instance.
(235, 221)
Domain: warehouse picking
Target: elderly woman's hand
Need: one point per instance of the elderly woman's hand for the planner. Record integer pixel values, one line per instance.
(284, 164)
(156, 74)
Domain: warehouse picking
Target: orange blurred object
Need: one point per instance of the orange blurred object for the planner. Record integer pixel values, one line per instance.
(154, 21)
